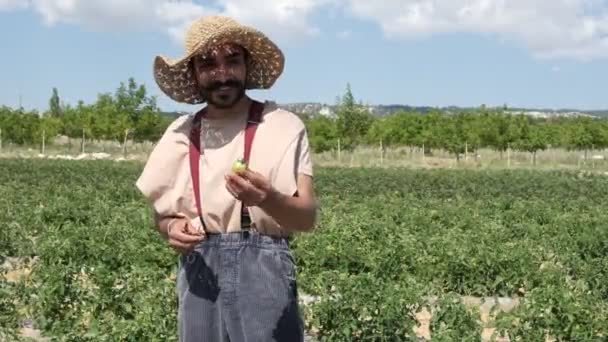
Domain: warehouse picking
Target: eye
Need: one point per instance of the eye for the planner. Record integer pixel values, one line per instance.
(234, 60)
(234, 57)
(207, 63)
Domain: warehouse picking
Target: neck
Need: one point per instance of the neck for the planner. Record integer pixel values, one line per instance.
(240, 107)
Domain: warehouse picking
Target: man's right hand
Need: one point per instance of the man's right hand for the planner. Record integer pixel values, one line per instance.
(182, 235)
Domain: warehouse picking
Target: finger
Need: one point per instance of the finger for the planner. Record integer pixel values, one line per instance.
(184, 238)
(180, 246)
(254, 187)
(254, 178)
(258, 182)
(230, 184)
(245, 193)
(231, 188)
(237, 184)
(191, 230)
(185, 226)
(240, 183)
(232, 191)
(250, 174)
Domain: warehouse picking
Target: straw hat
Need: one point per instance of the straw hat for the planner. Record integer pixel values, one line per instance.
(177, 79)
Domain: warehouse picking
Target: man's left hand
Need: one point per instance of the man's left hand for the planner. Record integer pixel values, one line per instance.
(250, 187)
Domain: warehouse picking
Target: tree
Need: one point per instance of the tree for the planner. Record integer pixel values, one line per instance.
(55, 104)
(21, 127)
(387, 130)
(495, 132)
(531, 137)
(322, 132)
(353, 121)
(48, 127)
(431, 133)
(583, 135)
(451, 137)
(472, 126)
(150, 127)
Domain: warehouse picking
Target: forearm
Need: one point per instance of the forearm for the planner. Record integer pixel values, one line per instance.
(291, 212)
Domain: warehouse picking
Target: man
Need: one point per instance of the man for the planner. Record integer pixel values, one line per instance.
(236, 280)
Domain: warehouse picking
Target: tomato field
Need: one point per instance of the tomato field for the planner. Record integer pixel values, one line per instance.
(82, 261)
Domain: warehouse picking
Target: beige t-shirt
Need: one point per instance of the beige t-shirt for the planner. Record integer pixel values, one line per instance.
(280, 151)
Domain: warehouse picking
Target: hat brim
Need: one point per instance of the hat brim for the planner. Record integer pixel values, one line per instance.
(266, 63)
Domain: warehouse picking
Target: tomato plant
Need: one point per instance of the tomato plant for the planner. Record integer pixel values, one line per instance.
(387, 240)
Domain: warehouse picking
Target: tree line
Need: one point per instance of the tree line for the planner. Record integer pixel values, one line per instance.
(130, 112)
(456, 132)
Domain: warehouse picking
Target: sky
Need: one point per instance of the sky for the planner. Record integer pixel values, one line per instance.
(523, 53)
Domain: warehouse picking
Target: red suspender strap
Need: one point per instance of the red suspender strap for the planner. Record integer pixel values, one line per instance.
(195, 154)
(254, 118)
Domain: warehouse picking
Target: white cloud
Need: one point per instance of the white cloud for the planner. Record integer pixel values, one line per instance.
(178, 16)
(549, 28)
(119, 15)
(10, 5)
(280, 18)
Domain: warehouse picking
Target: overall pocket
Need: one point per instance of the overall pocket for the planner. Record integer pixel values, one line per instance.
(288, 265)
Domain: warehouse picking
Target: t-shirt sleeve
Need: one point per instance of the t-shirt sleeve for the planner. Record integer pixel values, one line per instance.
(304, 162)
(296, 160)
(158, 175)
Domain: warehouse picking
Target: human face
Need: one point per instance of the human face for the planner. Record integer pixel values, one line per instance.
(221, 73)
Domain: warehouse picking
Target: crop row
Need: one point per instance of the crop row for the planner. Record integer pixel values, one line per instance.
(387, 241)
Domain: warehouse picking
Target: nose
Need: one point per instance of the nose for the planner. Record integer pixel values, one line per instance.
(222, 76)
(223, 72)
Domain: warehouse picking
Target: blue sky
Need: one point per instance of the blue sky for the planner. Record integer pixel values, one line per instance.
(529, 53)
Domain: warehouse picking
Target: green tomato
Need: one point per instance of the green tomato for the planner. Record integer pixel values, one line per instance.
(239, 166)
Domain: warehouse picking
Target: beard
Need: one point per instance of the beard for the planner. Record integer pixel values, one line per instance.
(233, 91)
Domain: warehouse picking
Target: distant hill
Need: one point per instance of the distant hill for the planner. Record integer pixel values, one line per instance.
(312, 108)
(315, 108)
(172, 114)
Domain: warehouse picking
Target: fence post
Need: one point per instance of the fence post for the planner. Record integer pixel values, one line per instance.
(124, 144)
(43, 141)
(423, 156)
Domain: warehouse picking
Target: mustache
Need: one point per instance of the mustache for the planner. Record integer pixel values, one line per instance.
(229, 83)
